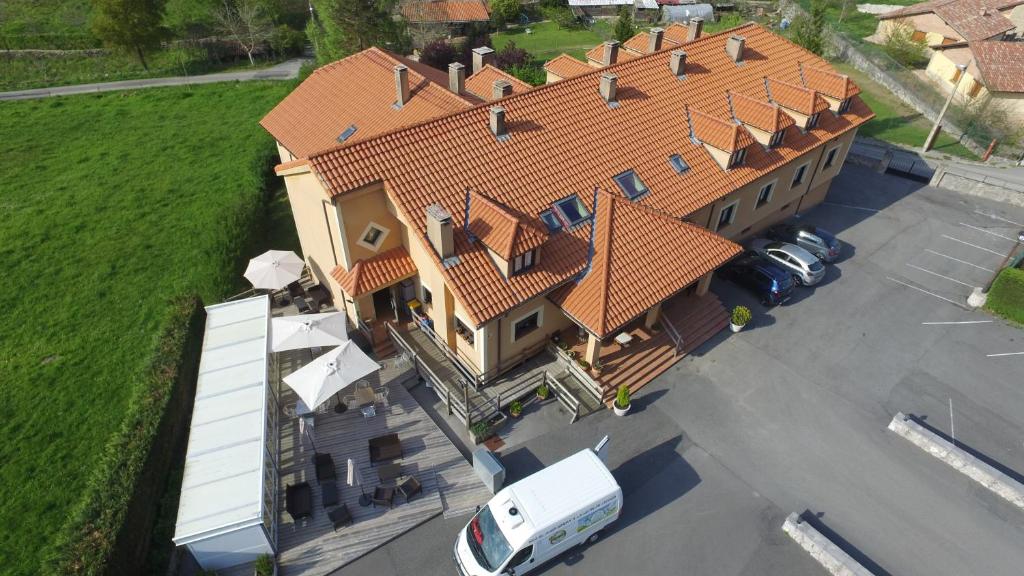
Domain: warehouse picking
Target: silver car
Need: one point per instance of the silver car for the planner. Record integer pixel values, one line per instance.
(804, 266)
(815, 240)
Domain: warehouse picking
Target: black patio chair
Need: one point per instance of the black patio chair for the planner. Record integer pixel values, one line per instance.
(340, 516)
(301, 305)
(324, 465)
(298, 500)
(295, 290)
(410, 487)
(329, 491)
(383, 496)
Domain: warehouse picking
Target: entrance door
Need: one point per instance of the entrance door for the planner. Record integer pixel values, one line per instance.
(384, 304)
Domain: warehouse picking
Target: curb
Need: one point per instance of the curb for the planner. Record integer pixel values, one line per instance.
(830, 556)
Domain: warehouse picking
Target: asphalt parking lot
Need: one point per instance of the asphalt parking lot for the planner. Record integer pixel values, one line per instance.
(791, 414)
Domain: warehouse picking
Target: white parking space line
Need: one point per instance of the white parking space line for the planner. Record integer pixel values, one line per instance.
(953, 302)
(971, 245)
(989, 232)
(940, 275)
(958, 260)
(963, 322)
(994, 217)
(1004, 354)
(850, 206)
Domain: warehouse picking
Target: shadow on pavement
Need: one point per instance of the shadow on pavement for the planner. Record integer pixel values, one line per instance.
(922, 420)
(815, 520)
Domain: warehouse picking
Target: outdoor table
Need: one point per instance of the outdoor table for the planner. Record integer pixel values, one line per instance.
(624, 339)
(319, 295)
(387, 472)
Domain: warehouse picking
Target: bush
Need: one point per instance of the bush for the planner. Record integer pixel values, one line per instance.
(741, 315)
(809, 31)
(563, 17)
(503, 11)
(265, 565)
(511, 56)
(286, 41)
(1006, 298)
(622, 397)
(439, 54)
(901, 47)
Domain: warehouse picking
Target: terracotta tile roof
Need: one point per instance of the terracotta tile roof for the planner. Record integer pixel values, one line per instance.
(283, 166)
(796, 97)
(565, 66)
(675, 33)
(358, 91)
(974, 19)
(501, 230)
(563, 140)
(637, 43)
(1001, 65)
(372, 274)
(597, 53)
(481, 84)
(446, 11)
(913, 9)
(721, 134)
(829, 83)
(760, 113)
(641, 257)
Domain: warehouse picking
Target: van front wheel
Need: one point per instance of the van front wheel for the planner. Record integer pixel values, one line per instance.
(592, 538)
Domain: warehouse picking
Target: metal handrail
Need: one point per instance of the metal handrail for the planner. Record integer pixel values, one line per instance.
(592, 385)
(454, 403)
(674, 335)
(564, 395)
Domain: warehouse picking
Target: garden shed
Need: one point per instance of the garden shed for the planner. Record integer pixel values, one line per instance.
(682, 13)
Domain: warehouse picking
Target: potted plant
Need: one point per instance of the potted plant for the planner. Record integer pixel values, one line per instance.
(597, 367)
(621, 404)
(515, 408)
(740, 316)
(479, 432)
(265, 565)
(583, 363)
(543, 392)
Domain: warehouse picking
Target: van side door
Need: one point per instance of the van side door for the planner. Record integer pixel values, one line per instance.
(522, 562)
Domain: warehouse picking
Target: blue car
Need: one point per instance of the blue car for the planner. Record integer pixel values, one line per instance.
(767, 281)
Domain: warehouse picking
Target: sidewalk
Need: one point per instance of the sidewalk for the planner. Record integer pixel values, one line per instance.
(283, 71)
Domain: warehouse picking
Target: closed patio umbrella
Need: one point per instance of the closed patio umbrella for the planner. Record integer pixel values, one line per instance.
(274, 269)
(355, 478)
(308, 331)
(328, 374)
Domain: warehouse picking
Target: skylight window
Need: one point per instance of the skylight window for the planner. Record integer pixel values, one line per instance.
(551, 221)
(347, 133)
(631, 185)
(678, 164)
(571, 211)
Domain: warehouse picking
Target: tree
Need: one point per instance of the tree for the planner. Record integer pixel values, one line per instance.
(364, 23)
(809, 31)
(901, 46)
(624, 27)
(503, 11)
(512, 56)
(439, 54)
(132, 25)
(246, 24)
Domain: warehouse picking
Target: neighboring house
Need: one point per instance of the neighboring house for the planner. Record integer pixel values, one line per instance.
(582, 205)
(564, 66)
(994, 74)
(643, 10)
(938, 22)
(456, 16)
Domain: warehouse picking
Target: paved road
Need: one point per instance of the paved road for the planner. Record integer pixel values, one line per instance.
(283, 71)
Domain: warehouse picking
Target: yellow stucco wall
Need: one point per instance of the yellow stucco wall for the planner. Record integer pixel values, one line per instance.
(942, 68)
(358, 210)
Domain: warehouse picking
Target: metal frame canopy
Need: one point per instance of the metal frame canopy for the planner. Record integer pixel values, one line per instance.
(227, 511)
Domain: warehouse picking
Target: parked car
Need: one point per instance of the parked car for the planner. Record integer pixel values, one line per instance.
(815, 240)
(767, 281)
(804, 266)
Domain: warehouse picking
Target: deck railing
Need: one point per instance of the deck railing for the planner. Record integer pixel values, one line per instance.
(456, 401)
(563, 395)
(591, 385)
(673, 334)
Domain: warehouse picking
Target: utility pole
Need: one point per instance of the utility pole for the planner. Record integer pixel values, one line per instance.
(930, 141)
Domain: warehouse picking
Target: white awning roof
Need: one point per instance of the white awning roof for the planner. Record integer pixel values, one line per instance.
(223, 483)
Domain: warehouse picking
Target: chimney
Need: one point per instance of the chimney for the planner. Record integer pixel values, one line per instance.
(457, 77)
(678, 63)
(695, 28)
(654, 39)
(609, 84)
(611, 53)
(439, 231)
(482, 56)
(500, 89)
(401, 85)
(734, 48)
(498, 122)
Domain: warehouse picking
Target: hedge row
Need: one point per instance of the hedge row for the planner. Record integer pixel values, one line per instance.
(1006, 298)
(108, 532)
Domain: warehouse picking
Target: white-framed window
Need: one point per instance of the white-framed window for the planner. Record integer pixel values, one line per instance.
(737, 158)
(798, 176)
(425, 295)
(727, 215)
(764, 195)
(373, 236)
(523, 262)
(830, 157)
(527, 323)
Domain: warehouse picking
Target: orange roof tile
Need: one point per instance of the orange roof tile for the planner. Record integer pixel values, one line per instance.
(1001, 65)
(759, 113)
(829, 83)
(641, 257)
(358, 91)
(372, 274)
(446, 11)
(972, 19)
(563, 140)
(638, 43)
(719, 133)
(597, 54)
(795, 97)
(481, 84)
(675, 34)
(500, 229)
(283, 166)
(565, 66)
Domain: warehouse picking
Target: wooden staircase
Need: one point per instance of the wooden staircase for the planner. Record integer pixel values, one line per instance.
(383, 346)
(697, 319)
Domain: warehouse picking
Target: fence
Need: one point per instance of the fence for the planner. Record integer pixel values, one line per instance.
(456, 403)
(564, 396)
(592, 386)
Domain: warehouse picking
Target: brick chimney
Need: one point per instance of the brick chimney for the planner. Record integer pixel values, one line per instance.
(498, 127)
(734, 48)
(611, 53)
(678, 63)
(457, 77)
(401, 85)
(696, 26)
(500, 89)
(609, 85)
(654, 38)
(482, 56)
(439, 231)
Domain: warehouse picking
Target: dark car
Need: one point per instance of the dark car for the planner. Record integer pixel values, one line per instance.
(767, 281)
(815, 240)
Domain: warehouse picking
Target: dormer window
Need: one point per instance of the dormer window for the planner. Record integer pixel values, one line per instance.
(631, 185)
(551, 221)
(776, 139)
(844, 106)
(571, 211)
(737, 158)
(812, 121)
(524, 261)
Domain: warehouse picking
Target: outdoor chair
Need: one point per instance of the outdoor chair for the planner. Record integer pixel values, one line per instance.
(324, 465)
(295, 290)
(340, 516)
(320, 295)
(382, 395)
(410, 487)
(387, 447)
(298, 500)
(329, 491)
(301, 305)
(383, 496)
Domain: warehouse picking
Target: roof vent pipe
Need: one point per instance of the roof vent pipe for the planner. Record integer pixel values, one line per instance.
(609, 84)
(734, 48)
(401, 85)
(500, 89)
(457, 77)
(654, 39)
(611, 53)
(696, 26)
(678, 63)
(498, 127)
(482, 56)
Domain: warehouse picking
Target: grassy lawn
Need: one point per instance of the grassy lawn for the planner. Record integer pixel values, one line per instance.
(854, 24)
(1007, 295)
(113, 203)
(546, 40)
(895, 121)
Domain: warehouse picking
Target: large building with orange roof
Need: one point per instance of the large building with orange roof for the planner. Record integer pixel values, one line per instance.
(586, 208)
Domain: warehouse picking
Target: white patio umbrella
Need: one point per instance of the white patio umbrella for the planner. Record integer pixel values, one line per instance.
(274, 269)
(355, 478)
(308, 331)
(328, 374)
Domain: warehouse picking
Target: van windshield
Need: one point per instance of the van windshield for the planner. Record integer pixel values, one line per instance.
(489, 546)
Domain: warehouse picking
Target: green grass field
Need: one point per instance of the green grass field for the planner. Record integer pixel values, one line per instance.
(112, 204)
(1006, 298)
(546, 40)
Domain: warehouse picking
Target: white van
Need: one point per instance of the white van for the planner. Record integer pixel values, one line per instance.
(539, 517)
